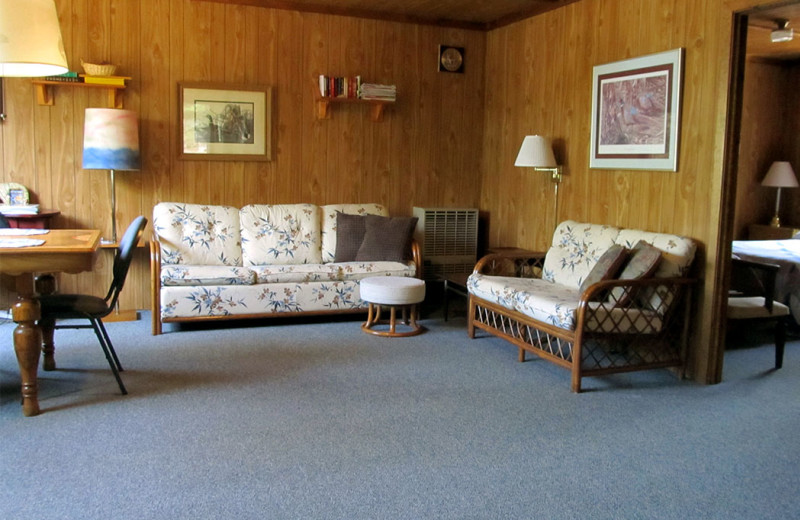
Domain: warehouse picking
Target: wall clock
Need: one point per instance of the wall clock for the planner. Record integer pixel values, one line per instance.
(451, 59)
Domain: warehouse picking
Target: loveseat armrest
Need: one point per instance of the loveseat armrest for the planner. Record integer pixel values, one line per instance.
(520, 265)
(155, 285)
(416, 256)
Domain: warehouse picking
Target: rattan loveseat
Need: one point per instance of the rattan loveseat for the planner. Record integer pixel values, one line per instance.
(543, 304)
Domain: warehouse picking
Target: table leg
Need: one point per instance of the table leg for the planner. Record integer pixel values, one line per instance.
(46, 284)
(27, 342)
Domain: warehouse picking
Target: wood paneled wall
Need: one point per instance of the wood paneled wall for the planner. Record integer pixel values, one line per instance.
(770, 127)
(426, 151)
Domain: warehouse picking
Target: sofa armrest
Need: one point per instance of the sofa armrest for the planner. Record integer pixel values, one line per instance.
(155, 284)
(416, 256)
(521, 265)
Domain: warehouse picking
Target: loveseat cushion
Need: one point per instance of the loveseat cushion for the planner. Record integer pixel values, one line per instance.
(280, 234)
(575, 249)
(343, 271)
(328, 214)
(558, 305)
(176, 275)
(677, 252)
(198, 234)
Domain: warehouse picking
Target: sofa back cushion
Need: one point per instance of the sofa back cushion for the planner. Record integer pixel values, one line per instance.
(677, 252)
(329, 223)
(280, 234)
(575, 249)
(198, 234)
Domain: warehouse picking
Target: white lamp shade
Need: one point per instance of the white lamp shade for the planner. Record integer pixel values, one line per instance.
(780, 175)
(30, 39)
(536, 151)
(111, 140)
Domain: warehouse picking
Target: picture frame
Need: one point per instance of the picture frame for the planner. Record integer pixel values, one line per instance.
(17, 197)
(224, 122)
(636, 105)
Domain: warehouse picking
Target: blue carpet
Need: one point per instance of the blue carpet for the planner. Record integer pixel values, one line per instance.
(315, 420)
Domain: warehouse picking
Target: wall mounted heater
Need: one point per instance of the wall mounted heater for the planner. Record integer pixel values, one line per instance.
(448, 238)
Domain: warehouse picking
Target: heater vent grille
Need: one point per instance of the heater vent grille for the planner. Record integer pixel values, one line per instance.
(448, 239)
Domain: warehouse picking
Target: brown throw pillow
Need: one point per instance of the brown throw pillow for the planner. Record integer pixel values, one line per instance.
(350, 231)
(386, 239)
(643, 263)
(607, 267)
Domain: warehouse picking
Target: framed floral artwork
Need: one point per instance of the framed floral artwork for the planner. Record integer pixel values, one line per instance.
(636, 113)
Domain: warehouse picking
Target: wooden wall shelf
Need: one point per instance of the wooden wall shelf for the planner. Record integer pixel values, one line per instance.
(46, 96)
(376, 106)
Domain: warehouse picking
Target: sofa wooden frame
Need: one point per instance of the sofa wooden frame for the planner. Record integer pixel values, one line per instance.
(583, 350)
(155, 295)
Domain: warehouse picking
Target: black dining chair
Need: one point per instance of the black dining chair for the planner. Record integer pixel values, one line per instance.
(93, 308)
(751, 297)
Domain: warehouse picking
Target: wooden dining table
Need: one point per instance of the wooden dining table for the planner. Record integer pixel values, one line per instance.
(63, 251)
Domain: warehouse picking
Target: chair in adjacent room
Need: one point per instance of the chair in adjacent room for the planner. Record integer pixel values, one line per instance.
(57, 307)
(751, 297)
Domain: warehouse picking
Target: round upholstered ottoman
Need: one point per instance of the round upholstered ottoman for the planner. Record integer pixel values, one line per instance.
(395, 292)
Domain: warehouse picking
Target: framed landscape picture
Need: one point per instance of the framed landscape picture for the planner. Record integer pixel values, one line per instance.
(636, 113)
(225, 122)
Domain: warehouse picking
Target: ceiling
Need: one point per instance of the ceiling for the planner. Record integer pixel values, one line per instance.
(469, 14)
(761, 22)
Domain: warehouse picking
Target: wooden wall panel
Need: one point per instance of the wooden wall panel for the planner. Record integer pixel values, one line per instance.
(426, 151)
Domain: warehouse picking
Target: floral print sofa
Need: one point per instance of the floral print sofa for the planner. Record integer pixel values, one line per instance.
(630, 316)
(215, 262)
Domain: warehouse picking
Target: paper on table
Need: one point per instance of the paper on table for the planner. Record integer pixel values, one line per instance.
(20, 242)
(13, 232)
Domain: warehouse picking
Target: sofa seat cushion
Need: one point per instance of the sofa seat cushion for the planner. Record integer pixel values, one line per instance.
(558, 304)
(280, 233)
(176, 275)
(198, 234)
(274, 273)
(226, 300)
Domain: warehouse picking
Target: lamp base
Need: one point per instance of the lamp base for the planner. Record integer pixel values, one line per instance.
(775, 222)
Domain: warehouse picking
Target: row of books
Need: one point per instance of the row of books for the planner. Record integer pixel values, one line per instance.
(74, 77)
(19, 209)
(347, 87)
(378, 92)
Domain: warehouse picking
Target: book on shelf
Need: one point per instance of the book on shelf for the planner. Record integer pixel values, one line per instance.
(377, 92)
(104, 80)
(67, 77)
(339, 87)
(19, 209)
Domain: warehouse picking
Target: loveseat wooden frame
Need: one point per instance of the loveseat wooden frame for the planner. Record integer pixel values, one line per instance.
(583, 350)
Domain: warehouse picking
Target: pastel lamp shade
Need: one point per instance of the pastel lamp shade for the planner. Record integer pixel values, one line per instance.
(30, 39)
(780, 175)
(111, 142)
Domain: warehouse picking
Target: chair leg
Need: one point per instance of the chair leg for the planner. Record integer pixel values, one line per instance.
(780, 342)
(108, 349)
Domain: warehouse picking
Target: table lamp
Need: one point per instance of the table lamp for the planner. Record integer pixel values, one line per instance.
(111, 142)
(780, 175)
(537, 152)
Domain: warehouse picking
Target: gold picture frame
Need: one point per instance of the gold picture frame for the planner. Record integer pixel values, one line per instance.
(224, 122)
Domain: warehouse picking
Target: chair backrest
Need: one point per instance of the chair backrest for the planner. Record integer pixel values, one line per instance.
(750, 278)
(123, 257)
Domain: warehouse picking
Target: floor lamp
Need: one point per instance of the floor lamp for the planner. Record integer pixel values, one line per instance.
(780, 175)
(111, 142)
(537, 152)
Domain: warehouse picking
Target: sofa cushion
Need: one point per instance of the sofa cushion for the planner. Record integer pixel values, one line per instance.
(575, 249)
(280, 233)
(350, 231)
(606, 267)
(328, 214)
(386, 239)
(346, 271)
(643, 262)
(206, 275)
(677, 251)
(197, 234)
